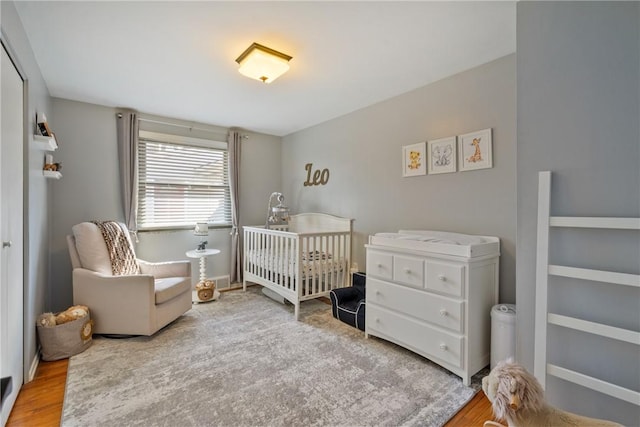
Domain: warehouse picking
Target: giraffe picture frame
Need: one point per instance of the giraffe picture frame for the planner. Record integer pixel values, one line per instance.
(475, 150)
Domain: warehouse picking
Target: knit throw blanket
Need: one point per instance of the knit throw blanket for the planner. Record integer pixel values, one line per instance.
(123, 259)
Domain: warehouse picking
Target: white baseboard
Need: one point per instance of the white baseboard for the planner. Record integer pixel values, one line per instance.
(34, 366)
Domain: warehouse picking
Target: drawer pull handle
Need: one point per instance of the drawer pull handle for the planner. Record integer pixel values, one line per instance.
(443, 347)
(443, 312)
(379, 265)
(377, 293)
(407, 271)
(377, 320)
(442, 277)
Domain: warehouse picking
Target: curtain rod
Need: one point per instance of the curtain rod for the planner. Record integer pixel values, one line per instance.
(183, 126)
(244, 136)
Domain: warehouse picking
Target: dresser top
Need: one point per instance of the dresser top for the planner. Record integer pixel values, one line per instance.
(441, 242)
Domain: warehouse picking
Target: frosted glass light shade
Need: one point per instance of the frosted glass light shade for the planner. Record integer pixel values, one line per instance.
(263, 63)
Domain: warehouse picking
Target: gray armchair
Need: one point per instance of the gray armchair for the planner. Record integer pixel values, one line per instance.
(139, 304)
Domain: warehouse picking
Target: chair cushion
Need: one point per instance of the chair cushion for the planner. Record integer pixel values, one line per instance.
(91, 248)
(170, 287)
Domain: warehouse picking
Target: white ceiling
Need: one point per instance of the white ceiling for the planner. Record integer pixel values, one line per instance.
(177, 59)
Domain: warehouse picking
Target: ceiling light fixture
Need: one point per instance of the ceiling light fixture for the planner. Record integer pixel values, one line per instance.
(263, 63)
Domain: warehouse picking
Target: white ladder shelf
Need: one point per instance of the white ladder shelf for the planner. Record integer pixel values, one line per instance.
(543, 317)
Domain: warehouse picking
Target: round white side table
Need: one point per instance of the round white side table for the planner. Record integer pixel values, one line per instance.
(202, 255)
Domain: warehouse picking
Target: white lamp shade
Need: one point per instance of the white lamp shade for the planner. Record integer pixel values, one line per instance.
(202, 229)
(262, 63)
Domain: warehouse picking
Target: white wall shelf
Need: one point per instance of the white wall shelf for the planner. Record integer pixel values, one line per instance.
(52, 174)
(46, 143)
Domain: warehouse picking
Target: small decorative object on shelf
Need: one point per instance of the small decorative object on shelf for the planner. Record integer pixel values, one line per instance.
(43, 126)
(51, 169)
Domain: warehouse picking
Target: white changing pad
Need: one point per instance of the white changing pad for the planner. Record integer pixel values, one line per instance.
(441, 242)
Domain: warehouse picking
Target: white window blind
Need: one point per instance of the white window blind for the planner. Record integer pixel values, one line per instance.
(182, 181)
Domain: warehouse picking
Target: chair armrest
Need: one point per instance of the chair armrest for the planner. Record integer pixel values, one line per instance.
(116, 302)
(97, 285)
(166, 269)
(347, 294)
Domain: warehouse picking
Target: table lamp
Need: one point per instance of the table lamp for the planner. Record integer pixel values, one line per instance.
(202, 229)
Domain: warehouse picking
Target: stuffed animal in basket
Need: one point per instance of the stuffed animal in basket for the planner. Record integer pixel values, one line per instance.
(517, 397)
(70, 314)
(47, 320)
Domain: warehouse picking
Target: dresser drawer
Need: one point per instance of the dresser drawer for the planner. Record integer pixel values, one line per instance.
(444, 277)
(439, 310)
(380, 265)
(408, 271)
(414, 335)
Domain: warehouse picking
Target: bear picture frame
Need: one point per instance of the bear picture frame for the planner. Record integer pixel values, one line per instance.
(414, 160)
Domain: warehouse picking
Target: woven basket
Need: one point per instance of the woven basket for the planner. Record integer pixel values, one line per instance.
(63, 341)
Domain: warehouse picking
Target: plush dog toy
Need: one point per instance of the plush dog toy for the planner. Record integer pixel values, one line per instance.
(517, 397)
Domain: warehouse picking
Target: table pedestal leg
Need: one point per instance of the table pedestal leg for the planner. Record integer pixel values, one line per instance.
(203, 269)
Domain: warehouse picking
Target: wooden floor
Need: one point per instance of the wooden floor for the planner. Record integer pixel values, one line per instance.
(39, 403)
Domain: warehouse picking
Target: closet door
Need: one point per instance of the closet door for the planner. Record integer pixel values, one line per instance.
(11, 231)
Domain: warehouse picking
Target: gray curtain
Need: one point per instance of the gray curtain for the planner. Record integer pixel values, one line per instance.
(235, 270)
(127, 124)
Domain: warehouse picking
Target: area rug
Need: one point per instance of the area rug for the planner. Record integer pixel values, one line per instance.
(245, 361)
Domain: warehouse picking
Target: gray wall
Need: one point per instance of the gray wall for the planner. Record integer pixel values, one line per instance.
(36, 186)
(578, 96)
(89, 190)
(363, 152)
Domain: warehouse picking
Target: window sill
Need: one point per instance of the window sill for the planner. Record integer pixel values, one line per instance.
(181, 228)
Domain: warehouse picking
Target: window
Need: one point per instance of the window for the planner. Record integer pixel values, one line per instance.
(182, 181)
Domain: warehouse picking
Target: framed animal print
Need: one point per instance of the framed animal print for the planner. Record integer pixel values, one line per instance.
(441, 154)
(414, 159)
(474, 150)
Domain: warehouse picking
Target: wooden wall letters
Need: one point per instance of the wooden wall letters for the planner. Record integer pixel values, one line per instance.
(319, 178)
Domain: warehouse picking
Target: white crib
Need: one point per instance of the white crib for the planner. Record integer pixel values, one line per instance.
(305, 260)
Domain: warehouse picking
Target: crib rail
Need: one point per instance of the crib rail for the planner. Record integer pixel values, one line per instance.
(270, 255)
(298, 266)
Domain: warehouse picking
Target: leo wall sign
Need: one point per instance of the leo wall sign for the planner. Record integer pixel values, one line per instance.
(319, 177)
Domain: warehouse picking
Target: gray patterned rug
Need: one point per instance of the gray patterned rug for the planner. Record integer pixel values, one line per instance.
(244, 361)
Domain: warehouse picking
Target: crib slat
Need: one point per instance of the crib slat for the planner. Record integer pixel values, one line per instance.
(325, 264)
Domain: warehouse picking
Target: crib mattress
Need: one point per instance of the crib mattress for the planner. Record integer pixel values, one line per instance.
(313, 263)
(439, 242)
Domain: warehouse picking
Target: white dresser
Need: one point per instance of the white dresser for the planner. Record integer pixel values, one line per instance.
(432, 292)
